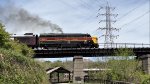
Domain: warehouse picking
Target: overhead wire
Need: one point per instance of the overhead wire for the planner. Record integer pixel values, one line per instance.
(85, 4)
(67, 4)
(88, 9)
(135, 19)
(130, 11)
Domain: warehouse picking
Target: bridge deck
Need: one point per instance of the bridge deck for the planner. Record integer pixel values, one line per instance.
(85, 52)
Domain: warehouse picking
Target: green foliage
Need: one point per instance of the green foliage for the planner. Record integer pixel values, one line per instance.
(122, 67)
(4, 36)
(16, 64)
(19, 47)
(19, 69)
(124, 52)
(57, 63)
(146, 80)
(126, 68)
(122, 70)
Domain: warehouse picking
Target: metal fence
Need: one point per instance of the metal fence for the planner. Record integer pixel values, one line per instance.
(123, 45)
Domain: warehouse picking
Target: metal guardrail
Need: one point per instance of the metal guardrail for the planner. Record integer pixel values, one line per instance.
(123, 45)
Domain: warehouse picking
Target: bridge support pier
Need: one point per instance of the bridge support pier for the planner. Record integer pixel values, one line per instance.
(145, 60)
(78, 74)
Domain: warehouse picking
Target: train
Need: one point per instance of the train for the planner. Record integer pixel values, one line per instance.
(58, 40)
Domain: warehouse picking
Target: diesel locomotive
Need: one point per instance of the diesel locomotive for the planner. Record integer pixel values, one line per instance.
(58, 40)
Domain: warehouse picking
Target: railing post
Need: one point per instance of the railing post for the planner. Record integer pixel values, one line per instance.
(111, 45)
(142, 45)
(125, 45)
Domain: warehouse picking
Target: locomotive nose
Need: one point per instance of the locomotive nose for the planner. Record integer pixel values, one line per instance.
(95, 39)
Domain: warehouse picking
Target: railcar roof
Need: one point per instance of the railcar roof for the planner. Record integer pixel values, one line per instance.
(64, 34)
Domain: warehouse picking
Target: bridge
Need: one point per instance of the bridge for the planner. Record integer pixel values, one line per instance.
(138, 49)
(85, 52)
(142, 52)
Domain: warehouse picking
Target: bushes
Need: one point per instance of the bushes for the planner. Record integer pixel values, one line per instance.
(4, 36)
(16, 64)
(19, 69)
(123, 67)
(126, 68)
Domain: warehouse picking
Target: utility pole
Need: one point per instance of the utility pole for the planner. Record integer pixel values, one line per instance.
(108, 29)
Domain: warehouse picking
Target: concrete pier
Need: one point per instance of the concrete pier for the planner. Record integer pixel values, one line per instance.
(78, 74)
(145, 60)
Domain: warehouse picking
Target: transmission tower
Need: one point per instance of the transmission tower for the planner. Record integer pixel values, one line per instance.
(108, 29)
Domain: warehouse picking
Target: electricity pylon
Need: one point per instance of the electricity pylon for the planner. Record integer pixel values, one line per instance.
(109, 36)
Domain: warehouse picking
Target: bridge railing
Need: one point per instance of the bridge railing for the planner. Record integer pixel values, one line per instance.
(123, 45)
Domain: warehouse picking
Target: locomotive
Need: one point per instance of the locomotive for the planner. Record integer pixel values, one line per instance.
(58, 40)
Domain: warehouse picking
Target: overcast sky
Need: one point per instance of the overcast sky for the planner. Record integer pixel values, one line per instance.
(79, 16)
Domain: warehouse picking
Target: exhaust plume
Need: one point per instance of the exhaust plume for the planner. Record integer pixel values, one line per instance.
(19, 20)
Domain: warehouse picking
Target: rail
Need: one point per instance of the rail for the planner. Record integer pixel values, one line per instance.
(123, 45)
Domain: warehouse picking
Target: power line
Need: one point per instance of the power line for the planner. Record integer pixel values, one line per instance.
(91, 16)
(135, 19)
(130, 12)
(99, 3)
(86, 4)
(70, 6)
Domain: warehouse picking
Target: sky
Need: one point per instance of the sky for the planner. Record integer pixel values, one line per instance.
(79, 16)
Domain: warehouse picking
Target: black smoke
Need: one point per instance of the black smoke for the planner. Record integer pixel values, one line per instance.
(19, 20)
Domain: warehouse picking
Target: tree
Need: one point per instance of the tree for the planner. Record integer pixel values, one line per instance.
(4, 36)
(57, 63)
(121, 67)
(126, 68)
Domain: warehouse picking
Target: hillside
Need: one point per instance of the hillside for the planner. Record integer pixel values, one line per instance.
(16, 63)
